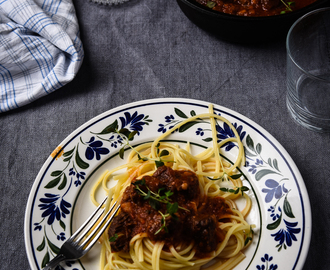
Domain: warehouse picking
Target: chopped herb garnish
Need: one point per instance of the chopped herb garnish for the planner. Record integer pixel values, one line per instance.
(113, 238)
(223, 177)
(210, 4)
(235, 191)
(288, 6)
(163, 227)
(249, 236)
(236, 176)
(159, 163)
(127, 136)
(162, 196)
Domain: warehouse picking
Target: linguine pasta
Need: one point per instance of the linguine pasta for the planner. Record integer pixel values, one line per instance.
(212, 172)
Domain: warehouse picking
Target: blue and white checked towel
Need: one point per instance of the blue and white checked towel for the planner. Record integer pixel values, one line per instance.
(40, 49)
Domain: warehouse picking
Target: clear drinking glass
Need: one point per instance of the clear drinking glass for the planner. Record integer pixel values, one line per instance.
(308, 70)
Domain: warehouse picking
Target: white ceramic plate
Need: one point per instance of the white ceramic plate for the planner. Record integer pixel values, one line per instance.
(59, 200)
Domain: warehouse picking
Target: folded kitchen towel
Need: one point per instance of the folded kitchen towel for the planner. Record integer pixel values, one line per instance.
(40, 49)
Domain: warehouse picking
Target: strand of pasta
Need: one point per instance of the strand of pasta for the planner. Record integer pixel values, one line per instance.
(211, 116)
(181, 258)
(156, 255)
(218, 163)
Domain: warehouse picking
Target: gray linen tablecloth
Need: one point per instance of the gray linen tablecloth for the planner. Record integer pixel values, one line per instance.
(148, 49)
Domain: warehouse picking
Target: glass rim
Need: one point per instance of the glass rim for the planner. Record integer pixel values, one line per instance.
(320, 10)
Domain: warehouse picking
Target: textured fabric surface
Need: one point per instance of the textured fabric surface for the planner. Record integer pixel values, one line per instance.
(110, 2)
(40, 49)
(148, 49)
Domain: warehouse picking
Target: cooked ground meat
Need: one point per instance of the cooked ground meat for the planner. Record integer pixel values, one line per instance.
(255, 8)
(197, 222)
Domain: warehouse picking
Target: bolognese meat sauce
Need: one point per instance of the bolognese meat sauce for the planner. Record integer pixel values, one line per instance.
(255, 8)
(196, 219)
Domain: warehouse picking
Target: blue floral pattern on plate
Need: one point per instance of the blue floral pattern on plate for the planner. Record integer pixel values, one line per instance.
(274, 179)
(54, 206)
(266, 263)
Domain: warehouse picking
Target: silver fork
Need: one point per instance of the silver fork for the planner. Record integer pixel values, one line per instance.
(79, 244)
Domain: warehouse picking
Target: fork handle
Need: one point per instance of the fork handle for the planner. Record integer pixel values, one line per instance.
(54, 262)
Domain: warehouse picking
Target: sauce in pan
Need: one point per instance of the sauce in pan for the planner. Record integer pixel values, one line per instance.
(255, 8)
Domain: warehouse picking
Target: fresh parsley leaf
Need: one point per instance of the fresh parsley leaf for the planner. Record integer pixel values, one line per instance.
(172, 208)
(148, 195)
(121, 153)
(141, 182)
(247, 240)
(210, 4)
(154, 204)
(113, 238)
(169, 193)
(164, 153)
(157, 147)
(235, 191)
(131, 135)
(236, 176)
(159, 163)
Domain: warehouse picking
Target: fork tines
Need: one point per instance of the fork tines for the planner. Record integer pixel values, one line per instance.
(95, 229)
